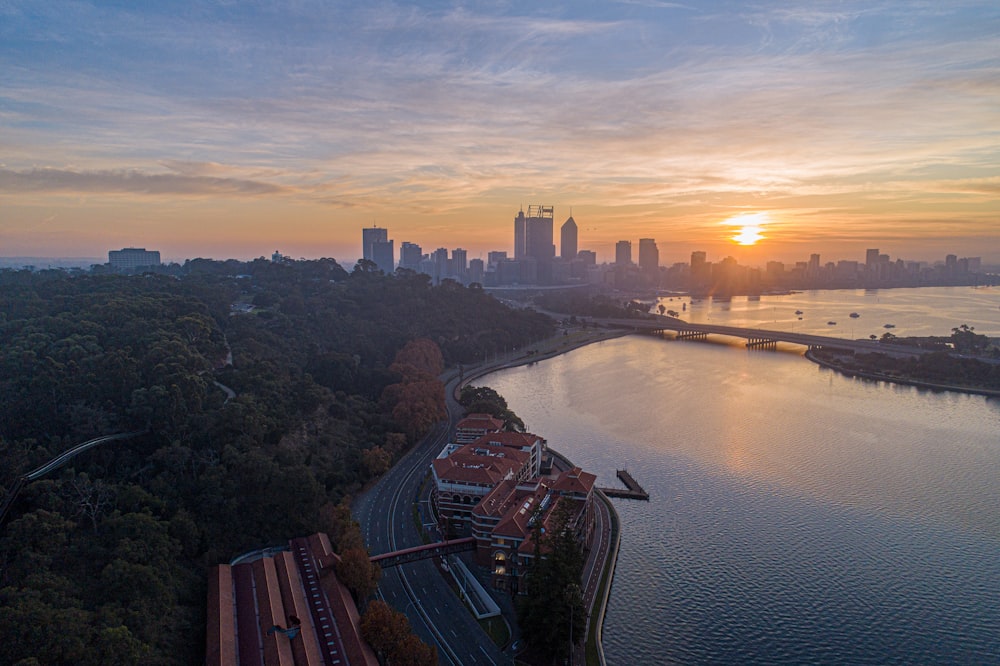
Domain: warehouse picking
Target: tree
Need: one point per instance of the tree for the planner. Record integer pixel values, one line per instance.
(383, 628)
(356, 571)
(547, 618)
(388, 632)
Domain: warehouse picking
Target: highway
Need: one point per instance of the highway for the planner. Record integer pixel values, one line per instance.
(385, 513)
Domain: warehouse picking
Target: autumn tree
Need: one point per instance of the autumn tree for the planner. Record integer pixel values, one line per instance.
(388, 632)
(357, 572)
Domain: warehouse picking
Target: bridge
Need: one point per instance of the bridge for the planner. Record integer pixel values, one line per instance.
(424, 552)
(56, 463)
(757, 338)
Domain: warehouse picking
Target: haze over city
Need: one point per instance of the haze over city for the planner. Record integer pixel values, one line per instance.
(221, 130)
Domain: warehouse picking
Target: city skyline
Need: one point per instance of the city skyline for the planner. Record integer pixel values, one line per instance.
(231, 131)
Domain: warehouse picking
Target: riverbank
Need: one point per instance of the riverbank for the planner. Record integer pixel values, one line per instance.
(878, 376)
(544, 349)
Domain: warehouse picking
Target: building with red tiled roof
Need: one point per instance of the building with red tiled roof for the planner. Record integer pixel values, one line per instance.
(522, 441)
(281, 608)
(474, 426)
(503, 521)
(464, 475)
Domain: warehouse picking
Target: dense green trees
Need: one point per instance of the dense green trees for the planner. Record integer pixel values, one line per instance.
(484, 400)
(104, 560)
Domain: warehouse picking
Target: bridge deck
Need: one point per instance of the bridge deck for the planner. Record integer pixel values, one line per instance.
(660, 323)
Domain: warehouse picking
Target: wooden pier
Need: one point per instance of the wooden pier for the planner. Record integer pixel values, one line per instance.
(635, 491)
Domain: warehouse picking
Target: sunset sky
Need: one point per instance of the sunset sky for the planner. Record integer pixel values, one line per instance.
(231, 129)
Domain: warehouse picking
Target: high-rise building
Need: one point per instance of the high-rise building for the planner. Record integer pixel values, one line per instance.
(812, 268)
(588, 257)
(623, 252)
(440, 259)
(871, 258)
(567, 239)
(649, 255)
(533, 239)
(459, 261)
(384, 254)
(369, 236)
(477, 271)
(410, 255)
(520, 224)
(495, 257)
(131, 258)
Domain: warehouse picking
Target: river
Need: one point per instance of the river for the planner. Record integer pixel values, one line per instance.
(796, 515)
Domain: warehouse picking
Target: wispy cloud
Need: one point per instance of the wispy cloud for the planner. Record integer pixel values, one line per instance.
(131, 182)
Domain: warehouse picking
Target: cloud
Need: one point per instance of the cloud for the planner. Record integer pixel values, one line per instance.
(131, 182)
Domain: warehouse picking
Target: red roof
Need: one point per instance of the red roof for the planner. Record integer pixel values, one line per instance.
(471, 464)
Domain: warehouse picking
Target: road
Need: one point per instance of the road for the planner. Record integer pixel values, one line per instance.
(385, 513)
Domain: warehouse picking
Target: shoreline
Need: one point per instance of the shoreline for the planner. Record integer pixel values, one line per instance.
(877, 376)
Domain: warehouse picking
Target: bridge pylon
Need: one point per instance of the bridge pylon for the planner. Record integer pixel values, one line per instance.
(762, 343)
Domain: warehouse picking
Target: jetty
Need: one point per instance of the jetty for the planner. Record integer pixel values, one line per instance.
(634, 490)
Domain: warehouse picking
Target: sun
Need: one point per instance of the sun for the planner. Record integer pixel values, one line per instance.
(750, 226)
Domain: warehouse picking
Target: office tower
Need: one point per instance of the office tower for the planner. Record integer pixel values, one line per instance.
(459, 262)
(871, 258)
(697, 259)
(520, 224)
(383, 254)
(410, 255)
(533, 240)
(538, 233)
(369, 236)
(588, 257)
(477, 271)
(623, 252)
(131, 258)
(812, 269)
(567, 239)
(649, 255)
(495, 257)
(439, 257)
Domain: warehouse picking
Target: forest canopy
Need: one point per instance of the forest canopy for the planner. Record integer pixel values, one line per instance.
(269, 392)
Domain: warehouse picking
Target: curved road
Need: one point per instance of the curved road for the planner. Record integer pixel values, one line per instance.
(385, 513)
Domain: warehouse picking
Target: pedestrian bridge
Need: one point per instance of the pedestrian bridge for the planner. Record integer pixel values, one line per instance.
(757, 338)
(424, 552)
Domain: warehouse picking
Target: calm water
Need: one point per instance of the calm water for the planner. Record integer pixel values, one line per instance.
(796, 516)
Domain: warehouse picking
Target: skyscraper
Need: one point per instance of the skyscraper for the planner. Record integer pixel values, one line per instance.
(410, 255)
(538, 245)
(369, 236)
(459, 262)
(623, 252)
(649, 255)
(568, 239)
(384, 255)
(519, 234)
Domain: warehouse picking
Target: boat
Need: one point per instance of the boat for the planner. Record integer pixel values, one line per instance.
(889, 326)
(854, 315)
(798, 312)
(831, 323)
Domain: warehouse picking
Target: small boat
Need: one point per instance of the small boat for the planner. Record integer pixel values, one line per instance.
(798, 312)
(831, 323)
(854, 315)
(889, 326)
